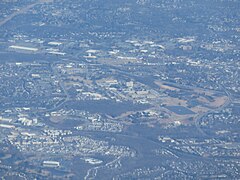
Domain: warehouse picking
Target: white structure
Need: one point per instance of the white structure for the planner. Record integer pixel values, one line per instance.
(51, 164)
(24, 48)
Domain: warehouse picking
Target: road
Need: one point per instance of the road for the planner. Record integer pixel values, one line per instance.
(199, 117)
(22, 11)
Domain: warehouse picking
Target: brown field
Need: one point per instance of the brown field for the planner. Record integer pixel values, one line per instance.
(199, 109)
(57, 119)
(198, 94)
(219, 101)
(170, 101)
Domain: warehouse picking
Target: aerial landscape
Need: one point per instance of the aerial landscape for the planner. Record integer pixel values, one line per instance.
(119, 89)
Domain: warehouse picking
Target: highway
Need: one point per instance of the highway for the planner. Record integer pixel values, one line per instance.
(22, 11)
(198, 118)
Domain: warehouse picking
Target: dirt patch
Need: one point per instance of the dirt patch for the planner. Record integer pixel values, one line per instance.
(166, 87)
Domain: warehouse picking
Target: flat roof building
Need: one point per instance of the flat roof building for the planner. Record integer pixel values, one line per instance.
(51, 164)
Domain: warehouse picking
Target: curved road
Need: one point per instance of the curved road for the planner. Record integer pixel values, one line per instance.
(199, 117)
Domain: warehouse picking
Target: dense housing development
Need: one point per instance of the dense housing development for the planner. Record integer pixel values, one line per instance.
(130, 89)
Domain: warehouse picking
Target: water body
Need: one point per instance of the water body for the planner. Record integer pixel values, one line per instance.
(108, 107)
(180, 110)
